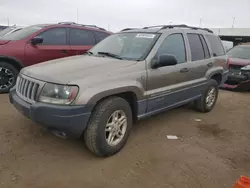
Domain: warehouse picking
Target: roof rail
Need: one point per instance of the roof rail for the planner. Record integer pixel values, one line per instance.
(126, 29)
(83, 25)
(181, 26)
(67, 23)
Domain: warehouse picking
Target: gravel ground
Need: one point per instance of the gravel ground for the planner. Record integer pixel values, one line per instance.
(211, 153)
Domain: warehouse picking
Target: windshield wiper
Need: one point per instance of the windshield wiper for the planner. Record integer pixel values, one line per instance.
(110, 55)
(88, 52)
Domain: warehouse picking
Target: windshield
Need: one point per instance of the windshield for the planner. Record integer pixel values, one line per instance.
(5, 31)
(242, 52)
(129, 46)
(21, 34)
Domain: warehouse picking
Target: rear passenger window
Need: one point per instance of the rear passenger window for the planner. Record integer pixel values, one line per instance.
(100, 35)
(173, 45)
(81, 37)
(196, 47)
(54, 36)
(205, 48)
(216, 45)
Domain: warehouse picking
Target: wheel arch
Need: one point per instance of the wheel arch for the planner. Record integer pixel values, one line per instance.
(13, 61)
(130, 96)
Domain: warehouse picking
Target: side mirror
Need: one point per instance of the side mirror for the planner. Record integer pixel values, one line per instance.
(37, 40)
(165, 60)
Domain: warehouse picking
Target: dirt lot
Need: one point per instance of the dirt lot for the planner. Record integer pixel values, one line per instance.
(212, 153)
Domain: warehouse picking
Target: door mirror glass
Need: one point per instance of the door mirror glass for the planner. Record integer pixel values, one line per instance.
(37, 40)
(165, 60)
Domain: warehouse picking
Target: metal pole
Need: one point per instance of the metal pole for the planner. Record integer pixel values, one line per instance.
(77, 15)
(8, 21)
(200, 22)
(233, 22)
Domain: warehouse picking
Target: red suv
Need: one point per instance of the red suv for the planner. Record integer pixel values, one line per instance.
(39, 43)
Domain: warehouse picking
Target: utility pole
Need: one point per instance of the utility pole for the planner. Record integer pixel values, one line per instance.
(233, 22)
(77, 15)
(200, 22)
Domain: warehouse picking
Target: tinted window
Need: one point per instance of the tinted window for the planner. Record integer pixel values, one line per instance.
(55, 36)
(100, 35)
(216, 45)
(174, 45)
(197, 52)
(205, 48)
(81, 37)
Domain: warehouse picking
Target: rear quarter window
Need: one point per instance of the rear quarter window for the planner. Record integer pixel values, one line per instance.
(216, 45)
(100, 35)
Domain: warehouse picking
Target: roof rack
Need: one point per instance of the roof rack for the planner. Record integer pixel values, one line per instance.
(83, 25)
(170, 27)
(181, 26)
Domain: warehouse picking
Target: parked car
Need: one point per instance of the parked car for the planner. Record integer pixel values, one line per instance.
(227, 45)
(44, 42)
(9, 30)
(128, 76)
(239, 68)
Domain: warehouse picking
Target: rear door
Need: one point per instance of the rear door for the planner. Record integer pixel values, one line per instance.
(200, 60)
(80, 40)
(54, 46)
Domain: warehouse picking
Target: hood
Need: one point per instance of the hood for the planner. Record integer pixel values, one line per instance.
(68, 69)
(238, 61)
(2, 42)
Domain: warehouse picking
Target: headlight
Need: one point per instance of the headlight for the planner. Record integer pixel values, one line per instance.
(58, 94)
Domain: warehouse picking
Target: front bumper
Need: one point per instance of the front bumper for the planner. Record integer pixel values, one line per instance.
(237, 82)
(71, 120)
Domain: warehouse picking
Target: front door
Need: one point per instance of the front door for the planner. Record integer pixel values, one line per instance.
(54, 46)
(164, 83)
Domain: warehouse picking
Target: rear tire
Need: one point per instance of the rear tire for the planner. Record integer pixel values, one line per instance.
(8, 76)
(104, 122)
(208, 98)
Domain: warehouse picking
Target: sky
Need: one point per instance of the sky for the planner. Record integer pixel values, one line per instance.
(119, 14)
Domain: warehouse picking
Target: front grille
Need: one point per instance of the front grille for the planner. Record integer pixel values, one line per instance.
(235, 68)
(27, 89)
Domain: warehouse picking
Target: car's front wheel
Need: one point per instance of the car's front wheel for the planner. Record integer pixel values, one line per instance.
(109, 127)
(8, 76)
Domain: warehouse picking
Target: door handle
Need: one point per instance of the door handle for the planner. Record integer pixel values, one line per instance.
(184, 70)
(64, 51)
(210, 64)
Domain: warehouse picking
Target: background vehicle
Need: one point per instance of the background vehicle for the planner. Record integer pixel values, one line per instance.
(227, 45)
(239, 68)
(128, 76)
(44, 42)
(9, 30)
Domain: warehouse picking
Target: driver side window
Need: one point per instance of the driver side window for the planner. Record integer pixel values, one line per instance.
(54, 36)
(173, 45)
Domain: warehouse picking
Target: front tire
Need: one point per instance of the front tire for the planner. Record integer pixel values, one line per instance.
(8, 76)
(208, 98)
(109, 127)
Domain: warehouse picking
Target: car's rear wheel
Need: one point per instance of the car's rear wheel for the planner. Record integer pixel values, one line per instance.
(109, 127)
(8, 76)
(209, 97)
